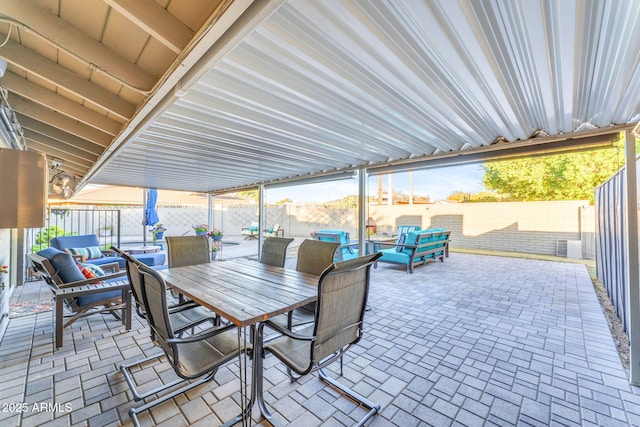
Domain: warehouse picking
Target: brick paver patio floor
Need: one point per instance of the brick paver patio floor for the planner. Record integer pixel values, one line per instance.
(473, 341)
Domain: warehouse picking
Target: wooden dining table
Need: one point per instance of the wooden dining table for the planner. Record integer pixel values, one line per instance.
(245, 293)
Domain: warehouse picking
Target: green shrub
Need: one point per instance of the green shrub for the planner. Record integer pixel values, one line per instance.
(46, 234)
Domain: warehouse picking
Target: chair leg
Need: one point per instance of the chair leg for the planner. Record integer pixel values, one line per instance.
(133, 412)
(125, 369)
(372, 407)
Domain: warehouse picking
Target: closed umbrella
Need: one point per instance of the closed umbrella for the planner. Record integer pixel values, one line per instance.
(150, 213)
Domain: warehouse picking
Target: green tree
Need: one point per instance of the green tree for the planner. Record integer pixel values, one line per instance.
(251, 194)
(572, 176)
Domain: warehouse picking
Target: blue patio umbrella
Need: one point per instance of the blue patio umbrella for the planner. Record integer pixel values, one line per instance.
(150, 213)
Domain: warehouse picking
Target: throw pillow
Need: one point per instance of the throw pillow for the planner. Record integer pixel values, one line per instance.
(64, 265)
(96, 270)
(401, 239)
(91, 252)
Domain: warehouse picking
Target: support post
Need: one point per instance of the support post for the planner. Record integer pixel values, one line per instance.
(362, 211)
(633, 264)
(261, 219)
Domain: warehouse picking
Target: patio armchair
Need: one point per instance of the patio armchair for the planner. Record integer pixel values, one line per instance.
(342, 297)
(85, 248)
(84, 291)
(251, 232)
(274, 251)
(274, 231)
(195, 357)
(418, 248)
(346, 249)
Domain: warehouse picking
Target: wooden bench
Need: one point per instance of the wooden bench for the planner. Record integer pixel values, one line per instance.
(419, 248)
(70, 293)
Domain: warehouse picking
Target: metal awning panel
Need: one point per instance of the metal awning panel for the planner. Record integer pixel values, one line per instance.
(321, 86)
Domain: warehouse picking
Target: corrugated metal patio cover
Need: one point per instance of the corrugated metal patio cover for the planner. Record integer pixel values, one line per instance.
(327, 85)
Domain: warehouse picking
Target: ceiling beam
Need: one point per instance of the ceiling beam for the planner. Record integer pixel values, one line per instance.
(155, 20)
(56, 149)
(69, 161)
(59, 103)
(534, 147)
(59, 121)
(55, 74)
(78, 43)
(56, 134)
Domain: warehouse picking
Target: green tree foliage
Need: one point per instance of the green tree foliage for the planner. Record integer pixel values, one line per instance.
(251, 195)
(572, 176)
(283, 201)
(45, 235)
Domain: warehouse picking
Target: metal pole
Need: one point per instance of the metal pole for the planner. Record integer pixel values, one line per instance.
(362, 210)
(261, 219)
(144, 217)
(633, 265)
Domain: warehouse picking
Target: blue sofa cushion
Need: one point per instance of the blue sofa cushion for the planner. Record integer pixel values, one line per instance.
(68, 272)
(391, 255)
(83, 241)
(152, 259)
(64, 265)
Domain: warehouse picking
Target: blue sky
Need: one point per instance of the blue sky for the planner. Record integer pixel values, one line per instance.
(435, 183)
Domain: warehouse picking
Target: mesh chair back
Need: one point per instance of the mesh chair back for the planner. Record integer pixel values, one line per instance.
(315, 256)
(274, 251)
(188, 250)
(154, 297)
(342, 298)
(133, 274)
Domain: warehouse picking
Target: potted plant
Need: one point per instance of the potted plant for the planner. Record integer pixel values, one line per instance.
(215, 234)
(201, 229)
(157, 231)
(214, 249)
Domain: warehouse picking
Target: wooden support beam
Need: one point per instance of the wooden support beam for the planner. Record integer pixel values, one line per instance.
(78, 43)
(57, 149)
(59, 103)
(70, 162)
(38, 112)
(52, 133)
(55, 74)
(155, 20)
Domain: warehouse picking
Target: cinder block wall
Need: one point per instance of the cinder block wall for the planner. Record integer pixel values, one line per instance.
(531, 227)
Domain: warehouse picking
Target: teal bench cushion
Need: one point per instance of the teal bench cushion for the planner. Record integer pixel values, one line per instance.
(390, 255)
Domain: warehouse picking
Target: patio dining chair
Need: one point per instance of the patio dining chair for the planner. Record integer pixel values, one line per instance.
(195, 357)
(183, 316)
(274, 251)
(314, 256)
(188, 250)
(342, 297)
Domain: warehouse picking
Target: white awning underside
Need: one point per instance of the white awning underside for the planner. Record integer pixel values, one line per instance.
(321, 86)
